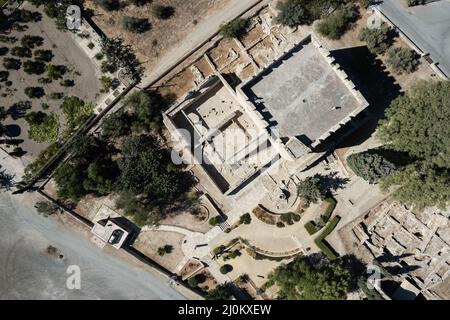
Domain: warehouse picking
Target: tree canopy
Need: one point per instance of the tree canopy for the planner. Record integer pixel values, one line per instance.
(370, 166)
(310, 189)
(378, 40)
(300, 280)
(417, 123)
(337, 23)
(144, 170)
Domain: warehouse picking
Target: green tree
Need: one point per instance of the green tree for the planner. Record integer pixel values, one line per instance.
(76, 111)
(378, 40)
(226, 268)
(370, 166)
(403, 59)
(192, 282)
(21, 52)
(293, 13)
(101, 176)
(55, 71)
(420, 185)
(69, 178)
(30, 42)
(43, 127)
(34, 92)
(121, 56)
(4, 75)
(234, 28)
(136, 25)
(117, 125)
(300, 280)
(417, 123)
(43, 55)
(147, 109)
(33, 67)
(310, 189)
(144, 170)
(219, 293)
(337, 23)
(162, 12)
(245, 218)
(12, 64)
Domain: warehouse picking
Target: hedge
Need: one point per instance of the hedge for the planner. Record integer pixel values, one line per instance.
(311, 226)
(320, 240)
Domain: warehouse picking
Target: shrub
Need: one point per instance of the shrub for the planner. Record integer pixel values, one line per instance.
(12, 64)
(67, 83)
(55, 71)
(161, 251)
(43, 55)
(44, 80)
(292, 13)
(33, 67)
(280, 224)
(365, 3)
(245, 218)
(192, 282)
(226, 268)
(311, 227)
(378, 40)
(46, 208)
(218, 249)
(56, 95)
(234, 28)
(99, 56)
(108, 5)
(34, 92)
(162, 12)
(139, 2)
(136, 25)
(21, 52)
(370, 166)
(4, 75)
(108, 67)
(43, 127)
(31, 41)
(213, 221)
(336, 24)
(320, 240)
(403, 59)
(3, 51)
(91, 45)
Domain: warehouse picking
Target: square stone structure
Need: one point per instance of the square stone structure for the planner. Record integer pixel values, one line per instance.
(304, 95)
(285, 111)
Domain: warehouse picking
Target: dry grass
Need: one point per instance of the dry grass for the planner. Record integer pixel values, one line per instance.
(164, 34)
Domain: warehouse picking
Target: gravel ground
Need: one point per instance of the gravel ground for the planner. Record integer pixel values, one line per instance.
(27, 271)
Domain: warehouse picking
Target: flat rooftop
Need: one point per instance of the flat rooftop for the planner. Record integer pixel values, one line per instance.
(301, 95)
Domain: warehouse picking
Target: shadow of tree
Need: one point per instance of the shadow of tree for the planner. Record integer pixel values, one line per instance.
(331, 182)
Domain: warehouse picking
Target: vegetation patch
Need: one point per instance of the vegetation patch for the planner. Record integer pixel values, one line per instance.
(320, 240)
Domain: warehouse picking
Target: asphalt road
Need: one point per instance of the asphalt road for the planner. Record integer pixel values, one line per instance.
(27, 271)
(428, 26)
